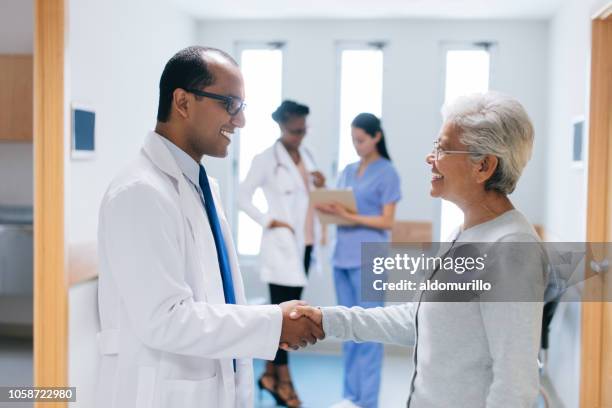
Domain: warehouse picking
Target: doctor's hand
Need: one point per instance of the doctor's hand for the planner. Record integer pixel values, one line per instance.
(280, 224)
(313, 313)
(318, 179)
(302, 311)
(298, 331)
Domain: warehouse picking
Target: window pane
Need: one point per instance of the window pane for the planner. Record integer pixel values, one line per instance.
(262, 72)
(467, 72)
(361, 76)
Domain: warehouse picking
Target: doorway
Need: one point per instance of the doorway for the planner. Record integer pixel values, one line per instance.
(596, 359)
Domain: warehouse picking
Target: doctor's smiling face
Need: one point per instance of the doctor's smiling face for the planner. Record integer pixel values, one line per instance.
(211, 123)
(201, 101)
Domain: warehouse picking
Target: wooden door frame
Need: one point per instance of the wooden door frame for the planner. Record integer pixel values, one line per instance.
(50, 284)
(598, 203)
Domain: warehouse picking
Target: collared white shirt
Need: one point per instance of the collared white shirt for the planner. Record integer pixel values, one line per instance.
(189, 167)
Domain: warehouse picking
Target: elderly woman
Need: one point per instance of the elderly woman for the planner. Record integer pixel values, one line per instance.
(469, 354)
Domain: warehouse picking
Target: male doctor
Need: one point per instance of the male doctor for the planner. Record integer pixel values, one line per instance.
(175, 330)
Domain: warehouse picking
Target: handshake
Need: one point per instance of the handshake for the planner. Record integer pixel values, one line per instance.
(302, 325)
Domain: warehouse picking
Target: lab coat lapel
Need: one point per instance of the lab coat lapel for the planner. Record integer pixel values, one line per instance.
(196, 217)
(229, 244)
(307, 158)
(231, 250)
(204, 243)
(226, 365)
(287, 161)
(159, 155)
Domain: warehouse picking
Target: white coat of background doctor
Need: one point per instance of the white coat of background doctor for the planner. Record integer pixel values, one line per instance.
(170, 338)
(276, 172)
(286, 172)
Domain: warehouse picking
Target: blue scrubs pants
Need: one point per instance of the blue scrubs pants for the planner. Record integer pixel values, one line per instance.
(362, 361)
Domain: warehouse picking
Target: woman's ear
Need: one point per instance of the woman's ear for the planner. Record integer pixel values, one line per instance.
(378, 136)
(485, 168)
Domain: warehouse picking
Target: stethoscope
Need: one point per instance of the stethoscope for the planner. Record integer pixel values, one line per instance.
(279, 164)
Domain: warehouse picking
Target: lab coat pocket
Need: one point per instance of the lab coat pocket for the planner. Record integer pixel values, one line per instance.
(282, 239)
(278, 249)
(190, 393)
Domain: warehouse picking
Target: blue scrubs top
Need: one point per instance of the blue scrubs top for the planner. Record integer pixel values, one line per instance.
(379, 185)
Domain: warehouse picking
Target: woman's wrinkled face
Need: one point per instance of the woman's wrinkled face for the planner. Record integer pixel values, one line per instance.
(363, 142)
(452, 175)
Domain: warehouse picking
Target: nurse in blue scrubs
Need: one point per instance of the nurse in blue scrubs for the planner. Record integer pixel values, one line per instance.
(376, 185)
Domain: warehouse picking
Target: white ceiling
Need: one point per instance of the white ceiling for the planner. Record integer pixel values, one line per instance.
(370, 9)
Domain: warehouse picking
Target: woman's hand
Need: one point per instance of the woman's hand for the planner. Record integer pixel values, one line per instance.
(383, 221)
(280, 224)
(318, 179)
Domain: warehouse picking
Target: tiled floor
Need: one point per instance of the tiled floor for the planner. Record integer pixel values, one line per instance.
(317, 376)
(318, 380)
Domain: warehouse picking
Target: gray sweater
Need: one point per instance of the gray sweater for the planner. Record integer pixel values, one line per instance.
(467, 355)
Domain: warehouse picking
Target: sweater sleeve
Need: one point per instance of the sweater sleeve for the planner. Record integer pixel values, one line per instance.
(391, 324)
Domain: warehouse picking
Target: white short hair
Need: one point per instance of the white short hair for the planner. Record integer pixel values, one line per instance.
(496, 124)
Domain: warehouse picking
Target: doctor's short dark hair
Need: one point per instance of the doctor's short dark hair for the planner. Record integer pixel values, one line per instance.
(287, 109)
(186, 69)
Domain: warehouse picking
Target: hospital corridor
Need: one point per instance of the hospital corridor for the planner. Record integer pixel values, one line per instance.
(347, 204)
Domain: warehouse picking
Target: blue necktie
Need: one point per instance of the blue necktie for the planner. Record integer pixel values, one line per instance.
(213, 220)
(215, 226)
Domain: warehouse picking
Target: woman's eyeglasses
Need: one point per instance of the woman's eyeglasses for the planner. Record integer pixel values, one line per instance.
(233, 105)
(438, 152)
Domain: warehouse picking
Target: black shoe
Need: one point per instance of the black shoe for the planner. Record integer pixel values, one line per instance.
(292, 400)
(273, 393)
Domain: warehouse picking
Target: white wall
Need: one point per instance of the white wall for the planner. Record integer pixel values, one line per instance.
(565, 210)
(116, 53)
(412, 97)
(16, 159)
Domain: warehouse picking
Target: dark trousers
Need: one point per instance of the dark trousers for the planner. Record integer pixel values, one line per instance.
(280, 294)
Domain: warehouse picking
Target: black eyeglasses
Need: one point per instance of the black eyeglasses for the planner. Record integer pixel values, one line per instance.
(233, 105)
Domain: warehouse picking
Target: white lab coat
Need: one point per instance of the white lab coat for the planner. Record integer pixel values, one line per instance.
(168, 338)
(282, 252)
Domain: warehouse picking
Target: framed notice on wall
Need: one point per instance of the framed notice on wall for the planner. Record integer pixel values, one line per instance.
(83, 132)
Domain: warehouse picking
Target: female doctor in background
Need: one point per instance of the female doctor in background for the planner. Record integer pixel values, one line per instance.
(376, 185)
(286, 172)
